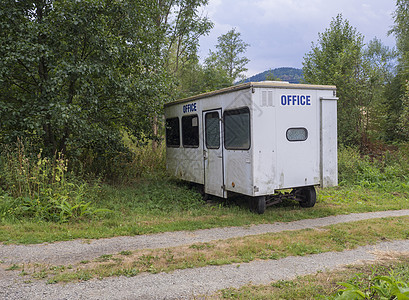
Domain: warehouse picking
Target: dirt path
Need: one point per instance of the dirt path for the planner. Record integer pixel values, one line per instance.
(181, 283)
(185, 284)
(70, 252)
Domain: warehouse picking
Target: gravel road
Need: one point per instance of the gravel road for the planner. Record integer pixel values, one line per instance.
(70, 252)
(185, 284)
(182, 283)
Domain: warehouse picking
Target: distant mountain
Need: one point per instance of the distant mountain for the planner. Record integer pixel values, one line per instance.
(292, 75)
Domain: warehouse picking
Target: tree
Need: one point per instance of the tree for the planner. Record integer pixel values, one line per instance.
(396, 93)
(380, 71)
(403, 124)
(195, 78)
(182, 24)
(401, 31)
(271, 77)
(228, 56)
(337, 60)
(75, 75)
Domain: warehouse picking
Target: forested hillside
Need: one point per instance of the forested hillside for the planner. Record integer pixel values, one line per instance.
(291, 75)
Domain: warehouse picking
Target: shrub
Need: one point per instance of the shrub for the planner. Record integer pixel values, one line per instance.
(381, 287)
(390, 171)
(142, 161)
(42, 188)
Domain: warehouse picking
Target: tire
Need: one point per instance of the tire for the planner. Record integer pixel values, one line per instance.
(309, 196)
(259, 204)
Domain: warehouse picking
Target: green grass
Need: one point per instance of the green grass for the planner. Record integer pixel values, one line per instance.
(156, 203)
(168, 205)
(338, 237)
(322, 285)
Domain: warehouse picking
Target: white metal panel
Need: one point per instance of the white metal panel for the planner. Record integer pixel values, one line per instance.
(238, 168)
(329, 159)
(297, 161)
(264, 141)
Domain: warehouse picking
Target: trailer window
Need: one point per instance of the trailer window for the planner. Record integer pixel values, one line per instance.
(212, 126)
(190, 131)
(237, 129)
(172, 132)
(297, 134)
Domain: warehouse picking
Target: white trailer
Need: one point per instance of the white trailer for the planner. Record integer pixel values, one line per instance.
(256, 139)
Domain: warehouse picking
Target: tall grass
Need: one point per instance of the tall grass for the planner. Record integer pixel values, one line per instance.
(34, 187)
(144, 162)
(41, 188)
(388, 172)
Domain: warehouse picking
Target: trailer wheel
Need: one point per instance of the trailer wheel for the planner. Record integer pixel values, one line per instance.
(308, 196)
(259, 204)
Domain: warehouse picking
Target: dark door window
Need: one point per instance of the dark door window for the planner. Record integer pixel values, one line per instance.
(212, 132)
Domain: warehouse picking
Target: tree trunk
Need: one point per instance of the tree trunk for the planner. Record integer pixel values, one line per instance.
(155, 133)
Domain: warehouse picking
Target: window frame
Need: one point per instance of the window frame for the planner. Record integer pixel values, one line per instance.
(244, 109)
(167, 135)
(294, 128)
(198, 132)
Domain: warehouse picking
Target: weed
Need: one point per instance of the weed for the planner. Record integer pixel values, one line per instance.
(381, 287)
(103, 258)
(13, 267)
(301, 249)
(147, 260)
(40, 275)
(39, 187)
(117, 260)
(57, 268)
(201, 246)
(141, 161)
(388, 172)
(283, 284)
(323, 285)
(130, 272)
(84, 276)
(51, 281)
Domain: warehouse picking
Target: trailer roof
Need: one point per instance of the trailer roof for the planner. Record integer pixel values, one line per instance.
(261, 84)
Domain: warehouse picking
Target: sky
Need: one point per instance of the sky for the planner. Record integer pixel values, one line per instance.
(281, 32)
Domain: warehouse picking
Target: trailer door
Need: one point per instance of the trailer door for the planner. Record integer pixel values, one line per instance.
(213, 153)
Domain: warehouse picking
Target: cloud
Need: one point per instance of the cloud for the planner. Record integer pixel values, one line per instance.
(287, 12)
(280, 32)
